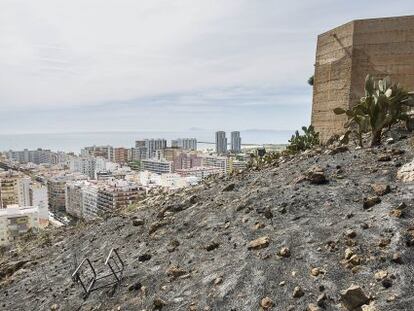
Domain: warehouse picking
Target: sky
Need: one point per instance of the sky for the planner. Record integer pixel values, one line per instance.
(120, 65)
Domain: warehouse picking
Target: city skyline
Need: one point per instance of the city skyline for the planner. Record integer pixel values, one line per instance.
(187, 65)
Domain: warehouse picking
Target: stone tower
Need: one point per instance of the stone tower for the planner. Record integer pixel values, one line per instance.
(346, 54)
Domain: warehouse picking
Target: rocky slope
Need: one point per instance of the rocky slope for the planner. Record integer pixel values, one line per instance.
(291, 236)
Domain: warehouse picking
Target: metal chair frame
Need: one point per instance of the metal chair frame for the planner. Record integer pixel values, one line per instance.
(116, 266)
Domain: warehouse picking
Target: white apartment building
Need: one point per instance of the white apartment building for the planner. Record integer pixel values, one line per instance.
(151, 145)
(199, 172)
(84, 165)
(216, 161)
(39, 197)
(15, 221)
(157, 166)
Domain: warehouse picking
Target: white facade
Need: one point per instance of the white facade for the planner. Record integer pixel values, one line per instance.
(39, 198)
(15, 221)
(157, 166)
(216, 161)
(185, 143)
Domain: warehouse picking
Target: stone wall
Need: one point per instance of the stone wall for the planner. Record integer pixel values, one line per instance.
(345, 55)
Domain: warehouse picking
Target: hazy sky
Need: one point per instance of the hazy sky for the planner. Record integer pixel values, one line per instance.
(94, 65)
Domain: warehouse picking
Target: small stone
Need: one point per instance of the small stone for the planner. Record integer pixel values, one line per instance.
(135, 286)
(316, 175)
(384, 242)
(266, 303)
(229, 187)
(259, 243)
(355, 260)
(321, 300)
(350, 234)
(54, 307)
(211, 246)
(313, 307)
(138, 222)
(381, 189)
(364, 226)
(396, 213)
(380, 275)
(284, 252)
(384, 158)
(348, 253)
(297, 292)
(175, 272)
(159, 303)
(315, 271)
(353, 298)
(283, 283)
(401, 206)
(371, 201)
(218, 281)
(370, 307)
(386, 282)
(396, 257)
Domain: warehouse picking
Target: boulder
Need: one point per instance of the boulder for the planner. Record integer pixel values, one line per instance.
(406, 172)
(259, 243)
(353, 298)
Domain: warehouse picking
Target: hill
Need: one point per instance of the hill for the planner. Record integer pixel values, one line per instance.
(290, 236)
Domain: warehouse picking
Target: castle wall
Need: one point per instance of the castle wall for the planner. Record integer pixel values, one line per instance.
(345, 55)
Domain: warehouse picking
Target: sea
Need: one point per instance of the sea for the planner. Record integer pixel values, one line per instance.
(75, 141)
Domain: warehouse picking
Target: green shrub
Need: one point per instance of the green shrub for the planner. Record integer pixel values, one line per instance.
(298, 142)
(383, 105)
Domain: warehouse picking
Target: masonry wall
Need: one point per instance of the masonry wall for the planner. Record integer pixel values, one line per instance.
(345, 55)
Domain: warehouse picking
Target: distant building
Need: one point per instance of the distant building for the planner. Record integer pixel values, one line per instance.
(235, 142)
(185, 143)
(38, 156)
(15, 221)
(221, 143)
(219, 162)
(157, 166)
(84, 165)
(120, 155)
(199, 172)
(151, 145)
(106, 152)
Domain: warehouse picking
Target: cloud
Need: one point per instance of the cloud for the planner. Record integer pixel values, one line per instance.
(194, 55)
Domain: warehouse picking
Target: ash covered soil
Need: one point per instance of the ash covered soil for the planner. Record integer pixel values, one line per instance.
(290, 236)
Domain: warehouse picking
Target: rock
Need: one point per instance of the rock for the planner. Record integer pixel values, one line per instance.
(297, 292)
(135, 286)
(175, 272)
(353, 297)
(316, 175)
(157, 225)
(159, 303)
(144, 257)
(321, 300)
(355, 260)
(350, 233)
(386, 282)
(406, 172)
(371, 201)
(138, 222)
(284, 252)
(229, 187)
(348, 253)
(397, 213)
(396, 257)
(211, 246)
(313, 307)
(172, 245)
(381, 189)
(266, 303)
(380, 275)
(218, 281)
(259, 243)
(315, 271)
(54, 307)
(384, 242)
(384, 158)
(370, 307)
